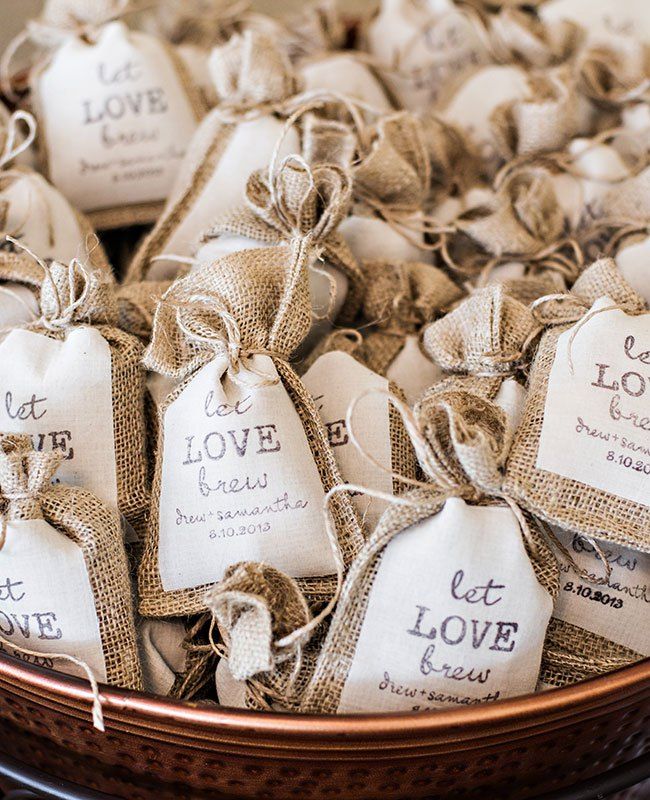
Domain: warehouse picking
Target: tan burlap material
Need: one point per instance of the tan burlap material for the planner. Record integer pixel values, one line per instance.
(572, 654)
(252, 75)
(71, 296)
(290, 204)
(26, 492)
(137, 304)
(625, 203)
(522, 219)
(255, 606)
(569, 503)
(486, 335)
(614, 73)
(452, 164)
(400, 298)
(266, 292)
(520, 37)
(395, 174)
(543, 122)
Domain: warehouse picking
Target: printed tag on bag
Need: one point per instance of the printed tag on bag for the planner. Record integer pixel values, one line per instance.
(445, 624)
(46, 601)
(596, 427)
(618, 611)
(335, 380)
(239, 481)
(60, 393)
(122, 103)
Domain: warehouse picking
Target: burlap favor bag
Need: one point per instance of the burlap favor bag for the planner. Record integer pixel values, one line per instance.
(253, 77)
(72, 380)
(600, 615)
(345, 73)
(266, 659)
(579, 458)
(280, 202)
(400, 298)
(243, 459)
(391, 184)
(121, 96)
(67, 595)
(415, 628)
(338, 382)
(423, 50)
(522, 220)
(545, 120)
(600, 21)
(488, 336)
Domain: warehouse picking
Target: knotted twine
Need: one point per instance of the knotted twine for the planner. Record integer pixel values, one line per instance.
(27, 493)
(251, 302)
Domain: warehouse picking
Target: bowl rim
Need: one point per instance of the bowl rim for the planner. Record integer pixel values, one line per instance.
(146, 710)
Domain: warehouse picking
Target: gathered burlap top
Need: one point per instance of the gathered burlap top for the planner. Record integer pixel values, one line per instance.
(486, 335)
(294, 201)
(462, 442)
(394, 176)
(255, 607)
(251, 70)
(27, 492)
(543, 122)
(615, 73)
(520, 37)
(572, 654)
(255, 300)
(521, 219)
(453, 165)
(568, 503)
(71, 296)
(400, 298)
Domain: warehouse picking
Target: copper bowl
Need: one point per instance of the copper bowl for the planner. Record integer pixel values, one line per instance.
(155, 748)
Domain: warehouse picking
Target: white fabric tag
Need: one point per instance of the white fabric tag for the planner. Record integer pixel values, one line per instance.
(231, 693)
(46, 601)
(249, 148)
(18, 305)
(42, 218)
(239, 482)
(334, 381)
(412, 371)
(633, 261)
(445, 624)
(373, 239)
(596, 429)
(123, 105)
(617, 611)
(433, 41)
(161, 653)
(60, 392)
